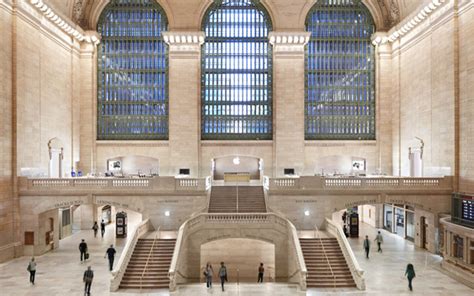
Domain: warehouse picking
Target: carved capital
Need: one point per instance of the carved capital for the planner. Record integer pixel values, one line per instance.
(184, 41)
(289, 42)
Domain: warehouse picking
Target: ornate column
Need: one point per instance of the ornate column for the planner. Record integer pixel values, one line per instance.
(184, 99)
(288, 105)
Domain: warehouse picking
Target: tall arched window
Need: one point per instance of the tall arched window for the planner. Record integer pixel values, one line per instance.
(132, 72)
(340, 72)
(236, 72)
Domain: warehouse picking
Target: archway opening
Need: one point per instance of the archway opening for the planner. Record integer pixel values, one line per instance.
(242, 258)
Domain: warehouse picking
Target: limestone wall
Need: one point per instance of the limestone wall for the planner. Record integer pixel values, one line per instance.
(466, 98)
(424, 95)
(45, 99)
(7, 202)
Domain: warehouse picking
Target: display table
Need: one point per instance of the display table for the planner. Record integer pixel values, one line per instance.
(237, 177)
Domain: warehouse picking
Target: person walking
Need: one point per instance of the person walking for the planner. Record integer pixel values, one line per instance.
(96, 228)
(379, 240)
(32, 269)
(223, 275)
(87, 279)
(83, 249)
(102, 228)
(367, 246)
(261, 270)
(111, 254)
(208, 273)
(410, 274)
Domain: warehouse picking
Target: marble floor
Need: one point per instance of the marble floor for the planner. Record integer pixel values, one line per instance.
(60, 272)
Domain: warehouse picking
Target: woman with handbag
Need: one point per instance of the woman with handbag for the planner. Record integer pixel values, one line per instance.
(32, 269)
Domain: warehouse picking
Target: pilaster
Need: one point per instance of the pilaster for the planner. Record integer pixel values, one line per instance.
(88, 106)
(184, 99)
(288, 118)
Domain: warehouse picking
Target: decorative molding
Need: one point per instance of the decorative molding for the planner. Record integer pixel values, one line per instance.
(180, 41)
(289, 42)
(412, 23)
(338, 143)
(65, 25)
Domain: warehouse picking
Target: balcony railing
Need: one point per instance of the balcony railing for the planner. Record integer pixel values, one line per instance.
(155, 184)
(358, 183)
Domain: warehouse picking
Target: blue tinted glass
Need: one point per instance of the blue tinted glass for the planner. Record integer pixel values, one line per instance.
(340, 87)
(132, 72)
(236, 72)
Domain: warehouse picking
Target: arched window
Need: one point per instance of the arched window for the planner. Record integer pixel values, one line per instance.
(236, 72)
(340, 72)
(132, 63)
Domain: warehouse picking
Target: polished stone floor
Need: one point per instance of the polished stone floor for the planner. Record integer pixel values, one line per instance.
(60, 272)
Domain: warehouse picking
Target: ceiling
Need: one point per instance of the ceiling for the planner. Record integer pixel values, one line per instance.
(392, 11)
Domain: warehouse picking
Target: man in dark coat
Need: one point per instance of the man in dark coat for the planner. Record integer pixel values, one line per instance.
(83, 249)
(87, 279)
(111, 254)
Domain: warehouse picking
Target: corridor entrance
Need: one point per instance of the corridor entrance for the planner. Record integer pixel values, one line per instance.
(242, 258)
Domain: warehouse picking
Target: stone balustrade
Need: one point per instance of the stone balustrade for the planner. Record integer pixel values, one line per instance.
(119, 270)
(356, 271)
(319, 183)
(126, 185)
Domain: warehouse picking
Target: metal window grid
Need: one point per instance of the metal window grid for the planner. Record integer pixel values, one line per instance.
(132, 72)
(236, 92)
(340, 72)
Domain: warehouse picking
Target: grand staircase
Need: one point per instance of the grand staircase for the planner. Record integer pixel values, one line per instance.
(156, 275)
(237, 199)
(326, 265)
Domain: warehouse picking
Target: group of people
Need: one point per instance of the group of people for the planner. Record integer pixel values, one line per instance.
(95, 227)
(209, 273)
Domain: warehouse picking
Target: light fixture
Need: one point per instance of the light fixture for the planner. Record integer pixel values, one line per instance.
(167, 213)
(306, 213)
(236, 160)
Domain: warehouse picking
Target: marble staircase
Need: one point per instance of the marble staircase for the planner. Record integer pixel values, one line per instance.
(237, 199)
(326, 265)
(158, 255)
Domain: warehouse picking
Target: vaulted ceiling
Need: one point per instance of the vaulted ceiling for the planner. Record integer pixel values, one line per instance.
(392, 11)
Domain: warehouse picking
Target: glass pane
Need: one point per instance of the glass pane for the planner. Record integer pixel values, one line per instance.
(340, 84)
(236, 72)
(132, 74)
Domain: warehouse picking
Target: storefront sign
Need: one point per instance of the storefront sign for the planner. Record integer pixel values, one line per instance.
(404, 202)
(360, 202)
(112, 203)
(66, 204)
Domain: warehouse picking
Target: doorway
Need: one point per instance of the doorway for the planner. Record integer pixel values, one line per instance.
(423, 231)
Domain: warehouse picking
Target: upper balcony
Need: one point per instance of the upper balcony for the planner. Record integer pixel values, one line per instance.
(360, 185)
(165, 185)
(115, 186)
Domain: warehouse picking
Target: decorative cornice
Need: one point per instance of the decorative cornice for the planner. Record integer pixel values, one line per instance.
(184, 42)
(63, 23)
(403, 29)
(289, 43)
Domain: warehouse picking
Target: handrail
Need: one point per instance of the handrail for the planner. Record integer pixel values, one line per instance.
(149, 255)
(127, 252)
(356, 271)
(325, 255)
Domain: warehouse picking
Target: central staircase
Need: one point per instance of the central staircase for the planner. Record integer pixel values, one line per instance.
(156, 274)
(237, 199)
(326, 265)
